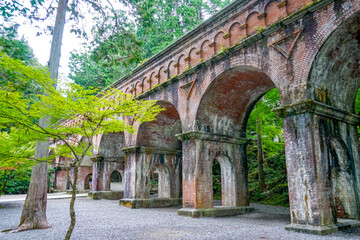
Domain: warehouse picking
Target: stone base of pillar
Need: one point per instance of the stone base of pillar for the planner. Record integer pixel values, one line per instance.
(219, 211)
(111, 195)
(324, 230)
(150, 202)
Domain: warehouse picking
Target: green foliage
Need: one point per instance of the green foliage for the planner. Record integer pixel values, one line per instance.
(72, 112)
(269, 124)
(216, 170)
(154, 182)
(357, 103)
(264, 121)
(120, 44)
(15, 181)
(159, 23)
(10, 8)
(275, 178)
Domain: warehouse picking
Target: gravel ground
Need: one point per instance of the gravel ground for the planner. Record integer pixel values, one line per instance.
(105, 219)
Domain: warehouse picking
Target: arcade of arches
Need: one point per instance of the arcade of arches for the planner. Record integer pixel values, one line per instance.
(309, 52)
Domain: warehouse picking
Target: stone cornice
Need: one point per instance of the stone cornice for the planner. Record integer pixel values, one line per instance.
(211, 137)
(311, 106)
(140, 149)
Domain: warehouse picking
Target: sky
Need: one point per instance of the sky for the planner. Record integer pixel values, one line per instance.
(41, 46)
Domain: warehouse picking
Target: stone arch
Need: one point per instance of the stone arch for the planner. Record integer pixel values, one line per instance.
(164, 180)
(228, 100)
(158, 146)
(150, 82)
(206, 51)
(228, 180)
(161, 132)
(221, 41)
(182, 64)
(111, 144)
(140, 87)
(88, 182)
(109, 158)
(116, 181)
(172, 70)
(253, 23)
(136, 89)
(127, 90)
(334, 78)
(163, 75)
(235, 34)
(194, 57)
(273, 12)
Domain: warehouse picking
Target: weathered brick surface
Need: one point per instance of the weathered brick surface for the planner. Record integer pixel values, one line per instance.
(211, 78)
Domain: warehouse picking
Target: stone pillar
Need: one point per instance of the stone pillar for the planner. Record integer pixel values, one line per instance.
(200, 149)
(101, 178)
(323, 167)
(139, 161)
(97, 173)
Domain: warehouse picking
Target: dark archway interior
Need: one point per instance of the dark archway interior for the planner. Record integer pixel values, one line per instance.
(335, 74)
(225, 106)
(115, 177)
(88, 182)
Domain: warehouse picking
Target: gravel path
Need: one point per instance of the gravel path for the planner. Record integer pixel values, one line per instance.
(105, 219)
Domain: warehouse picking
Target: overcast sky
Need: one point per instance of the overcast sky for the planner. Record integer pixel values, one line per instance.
(41, 45)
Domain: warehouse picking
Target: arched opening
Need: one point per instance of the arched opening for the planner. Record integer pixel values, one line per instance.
(88, 182)
(266, 153)
(161, 151)
(224, 182)
(333, 83)
(160, 181)
(225, 110)
(116, 181)
(110, 166)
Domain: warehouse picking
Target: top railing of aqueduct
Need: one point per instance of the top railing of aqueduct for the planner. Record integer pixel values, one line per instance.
(235, 23)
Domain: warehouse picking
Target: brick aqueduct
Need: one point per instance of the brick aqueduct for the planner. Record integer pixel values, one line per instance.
(210, 79)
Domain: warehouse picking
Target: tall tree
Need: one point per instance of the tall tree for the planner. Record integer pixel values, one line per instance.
(34, 210)
(159, 22)
(265, 127)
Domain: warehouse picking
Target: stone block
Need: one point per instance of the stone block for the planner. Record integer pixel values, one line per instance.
(111, 195)
(150, 203)
(221, 211)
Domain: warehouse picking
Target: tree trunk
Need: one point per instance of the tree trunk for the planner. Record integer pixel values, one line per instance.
(260, 157)
(72, 204)
(34, 211)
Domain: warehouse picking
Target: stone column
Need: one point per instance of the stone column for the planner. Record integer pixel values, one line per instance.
(97, 173)
(139, 161)
(317, 168)
(200, 149)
